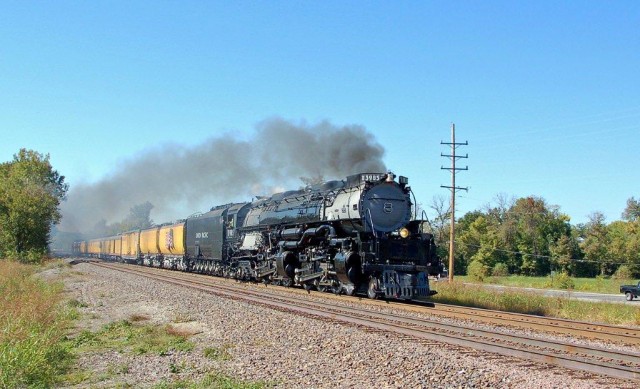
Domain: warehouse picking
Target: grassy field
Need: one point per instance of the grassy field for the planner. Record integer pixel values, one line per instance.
(36, 351)
(596, 285)
(460, 293)
(33, 351)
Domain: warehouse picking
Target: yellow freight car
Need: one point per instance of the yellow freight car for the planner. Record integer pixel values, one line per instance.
(171, 242)
(149, 250)
(114, 247)
(131, 246)
(93, 248)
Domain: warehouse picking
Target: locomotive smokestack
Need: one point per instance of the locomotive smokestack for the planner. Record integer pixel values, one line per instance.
(179, 180)
(390, 177)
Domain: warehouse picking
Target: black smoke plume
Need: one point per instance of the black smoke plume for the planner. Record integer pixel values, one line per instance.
(180, 180)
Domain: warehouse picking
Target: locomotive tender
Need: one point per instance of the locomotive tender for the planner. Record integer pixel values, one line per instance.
(348, 236)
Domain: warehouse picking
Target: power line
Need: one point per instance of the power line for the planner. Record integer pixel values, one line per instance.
(590, 119)
(550, 256)
(586, 135)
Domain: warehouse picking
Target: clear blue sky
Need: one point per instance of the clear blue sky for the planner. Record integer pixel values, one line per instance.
(547, 93)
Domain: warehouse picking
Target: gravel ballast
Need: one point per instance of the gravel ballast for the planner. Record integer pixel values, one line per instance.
(279, 348)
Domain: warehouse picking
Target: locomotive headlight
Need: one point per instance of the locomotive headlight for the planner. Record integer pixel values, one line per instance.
(404, 232)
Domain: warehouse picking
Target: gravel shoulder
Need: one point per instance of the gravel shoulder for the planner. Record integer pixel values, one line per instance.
(283, 350)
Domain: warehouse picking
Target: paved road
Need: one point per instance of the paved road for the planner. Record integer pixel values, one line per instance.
(588, 296)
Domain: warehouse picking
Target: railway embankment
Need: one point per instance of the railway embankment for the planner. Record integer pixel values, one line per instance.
(213, 339)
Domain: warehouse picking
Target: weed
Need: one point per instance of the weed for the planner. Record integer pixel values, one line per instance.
(218, 354)
(175, 369)
(182, 317)
(54, 264)
(78, 377)
(213, 380)
(218, 380)
(77, 304)
(32, 348)
(118, 369)
(128, 337)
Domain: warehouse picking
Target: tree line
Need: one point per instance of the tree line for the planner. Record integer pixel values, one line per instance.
(513, 236)
(527, 236)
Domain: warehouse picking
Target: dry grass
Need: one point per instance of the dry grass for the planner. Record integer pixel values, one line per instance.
(181, 331)
(32, 349)
(535, 304)
(137, 317)
(182, 317)
(596, 285)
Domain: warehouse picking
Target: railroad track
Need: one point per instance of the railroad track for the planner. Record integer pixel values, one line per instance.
(622, 365)
(606, 332)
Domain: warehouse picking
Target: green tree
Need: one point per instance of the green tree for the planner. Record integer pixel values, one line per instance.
(597, 243)
(564, 252)
(632, 210)
(481, 242)
(468, 238)
(30, 195)
(139, 217)
(518, 233)
(624, 244)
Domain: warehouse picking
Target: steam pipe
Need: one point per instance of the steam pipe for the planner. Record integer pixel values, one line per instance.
(332, 231)
(310, 232)
(316, 231)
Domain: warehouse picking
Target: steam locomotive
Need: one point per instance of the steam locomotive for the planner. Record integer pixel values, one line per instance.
(348, 236)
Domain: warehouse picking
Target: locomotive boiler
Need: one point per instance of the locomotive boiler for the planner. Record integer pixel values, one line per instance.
(346, 236)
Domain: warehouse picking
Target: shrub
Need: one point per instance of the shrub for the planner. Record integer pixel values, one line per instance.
(561, 281)
(500, 270)
(477, 271)
(33, 256)
(623, 273)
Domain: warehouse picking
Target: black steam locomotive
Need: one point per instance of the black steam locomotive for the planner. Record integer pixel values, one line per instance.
(349, 236)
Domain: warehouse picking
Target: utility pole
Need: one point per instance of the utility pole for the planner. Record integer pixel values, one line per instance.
(453, 189)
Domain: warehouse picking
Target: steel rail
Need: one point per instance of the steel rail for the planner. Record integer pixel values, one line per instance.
(485, 340)
(600, 331)
(590, 330)
(560, 346)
